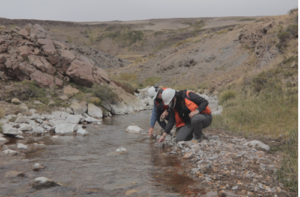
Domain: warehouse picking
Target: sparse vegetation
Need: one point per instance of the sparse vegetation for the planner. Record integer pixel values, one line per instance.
(227, 95)
(1, 113)
(151, 81)
(69, 39)
(126, 86)
(288, 173)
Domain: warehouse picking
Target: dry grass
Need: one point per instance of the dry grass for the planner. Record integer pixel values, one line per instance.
(1, 113)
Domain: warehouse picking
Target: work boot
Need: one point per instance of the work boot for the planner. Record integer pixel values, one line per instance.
(205, 137)
(199, 140)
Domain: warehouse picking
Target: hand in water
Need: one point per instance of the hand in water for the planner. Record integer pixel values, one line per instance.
(162, 139)
(150, 132)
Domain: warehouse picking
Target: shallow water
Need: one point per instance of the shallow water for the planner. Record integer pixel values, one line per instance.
(89, 166)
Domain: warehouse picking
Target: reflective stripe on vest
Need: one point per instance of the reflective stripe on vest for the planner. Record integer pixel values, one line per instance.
(165, 106)
(192, 107)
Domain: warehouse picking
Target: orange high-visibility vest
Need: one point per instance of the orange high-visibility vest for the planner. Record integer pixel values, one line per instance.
(165, 106)
(192, 106)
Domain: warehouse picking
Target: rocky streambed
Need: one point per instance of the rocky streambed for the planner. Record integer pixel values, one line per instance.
(112, 162)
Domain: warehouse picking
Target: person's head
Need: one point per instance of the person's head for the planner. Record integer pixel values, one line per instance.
(169, 97)
(153, 92)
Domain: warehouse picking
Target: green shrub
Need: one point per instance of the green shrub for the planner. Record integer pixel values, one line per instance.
(132, 36)
(0, 128)
(126, 86)
(285, 35)
(104, 93)
(26, 90)
(225, 96)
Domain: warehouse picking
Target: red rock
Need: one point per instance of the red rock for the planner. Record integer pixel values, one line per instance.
(42, 79)
(187, 155)
(42, 64)
(25, 51)
(81, 73)
(60, 46)
(2, 41)
(2, 59)
(37, 32)
(26, 30)
(3, 48)
(66, 59)
(51, 53)
(58, 82)
(42, 42)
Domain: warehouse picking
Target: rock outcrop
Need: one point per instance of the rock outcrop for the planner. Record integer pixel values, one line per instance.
(31, 54)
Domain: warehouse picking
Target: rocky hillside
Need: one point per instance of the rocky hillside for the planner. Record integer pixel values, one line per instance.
(31, 54)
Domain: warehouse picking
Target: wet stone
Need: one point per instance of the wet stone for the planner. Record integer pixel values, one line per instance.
(11, 174)
(43, 183)
(37, 167)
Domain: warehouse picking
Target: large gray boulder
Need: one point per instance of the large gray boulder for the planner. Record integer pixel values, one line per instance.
(94, 111)
(65, 128)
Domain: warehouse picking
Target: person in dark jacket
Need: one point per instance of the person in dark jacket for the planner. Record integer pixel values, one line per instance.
(159, 112)
(189, 111)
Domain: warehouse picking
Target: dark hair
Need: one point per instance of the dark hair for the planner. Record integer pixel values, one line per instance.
(179, 100)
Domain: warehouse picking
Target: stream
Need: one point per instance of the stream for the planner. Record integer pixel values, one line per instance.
(89, 166)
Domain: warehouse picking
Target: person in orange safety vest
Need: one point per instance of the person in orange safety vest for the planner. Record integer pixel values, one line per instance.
(189, 111)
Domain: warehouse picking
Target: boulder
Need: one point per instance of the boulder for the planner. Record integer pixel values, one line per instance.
(37, 32)
(74, 119)
(51, 103)
(77, 108)
(66, 59)
(65, 128)
(81, 131)
(3, 141)
(257, 144)
(8, 129)
(42, 79)
(25, 51)
(70, 91)
(22, 146)
(11, 174)
(43, 183)
(81, 73)
(42, 64)
(9, 152)
(51, 53)
(37, 167)
(133, 129)
(63, 97)
(23, 108)
(22, 119)
(2, 59)
(94, 111)
(25, 127)
(15, 101)
(26, 30)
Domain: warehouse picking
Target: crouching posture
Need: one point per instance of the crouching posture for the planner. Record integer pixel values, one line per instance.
(159, 112)
(189, 111)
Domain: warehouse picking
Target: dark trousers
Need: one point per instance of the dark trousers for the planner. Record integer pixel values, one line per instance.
(194, 128)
